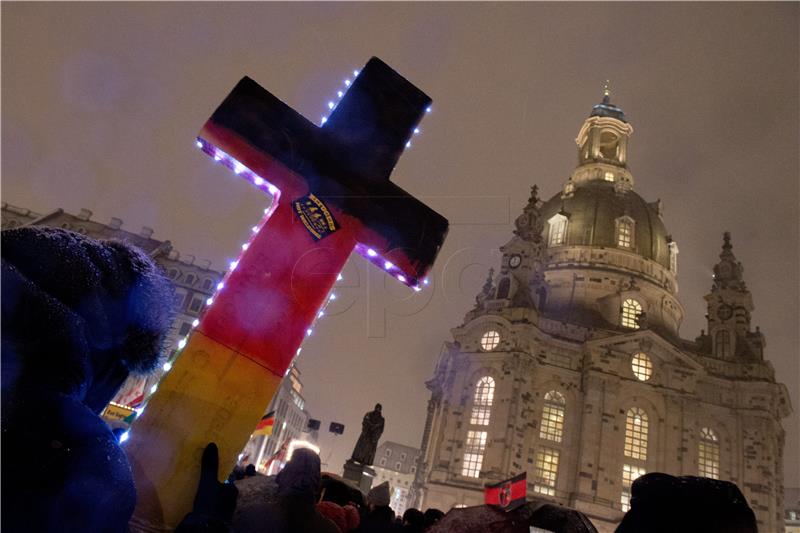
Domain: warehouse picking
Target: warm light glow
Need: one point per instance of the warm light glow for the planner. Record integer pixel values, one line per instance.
(631, 309)
(490, 340)
(558, 230)
(608, 176)
(624, 233)
(482, 402)
(636, 426)
(642, 366)
(629, 475)
(552, 424)
(708, 454)
(473, 453)
(296, 444)
(546, 471)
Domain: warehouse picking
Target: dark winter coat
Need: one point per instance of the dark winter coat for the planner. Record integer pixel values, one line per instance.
(78, 315)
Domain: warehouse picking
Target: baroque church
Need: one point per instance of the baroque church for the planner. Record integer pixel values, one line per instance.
(570, 366)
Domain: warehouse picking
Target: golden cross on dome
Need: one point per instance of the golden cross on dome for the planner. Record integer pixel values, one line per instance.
(606, 89)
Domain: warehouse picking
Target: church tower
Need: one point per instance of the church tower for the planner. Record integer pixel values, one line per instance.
(729, 307)
(570, 366)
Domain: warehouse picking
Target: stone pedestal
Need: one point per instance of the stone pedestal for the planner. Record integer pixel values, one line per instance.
(363, 475)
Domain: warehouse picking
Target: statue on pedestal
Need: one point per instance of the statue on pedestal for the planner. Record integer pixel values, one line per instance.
(371, 431)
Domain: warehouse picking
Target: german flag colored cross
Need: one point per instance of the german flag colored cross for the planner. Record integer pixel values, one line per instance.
(332, 195)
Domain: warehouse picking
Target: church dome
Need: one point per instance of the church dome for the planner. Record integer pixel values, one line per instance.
(593, 211)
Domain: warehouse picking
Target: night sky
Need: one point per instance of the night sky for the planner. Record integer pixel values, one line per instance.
(102, 102)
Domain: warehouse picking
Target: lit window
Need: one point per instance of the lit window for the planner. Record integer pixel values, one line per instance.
(625, 232)
(642, 366)
(473, 453)
(673, 257)
(708, 454)
(629, 475)
(558, 230)
(723, 343)
(608, 176)
(631, 309)
(490, 340)
(636, 434)
(552, 425)
(569, 188)
(482, 402)
(546, 471)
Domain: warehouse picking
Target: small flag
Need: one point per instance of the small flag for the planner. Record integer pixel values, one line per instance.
(266, 424)
(508, 494)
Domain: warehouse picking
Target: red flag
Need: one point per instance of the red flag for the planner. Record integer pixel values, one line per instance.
(508, 494)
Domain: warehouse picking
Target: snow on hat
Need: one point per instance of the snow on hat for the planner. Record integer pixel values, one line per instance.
(116, 290)
(379, 496)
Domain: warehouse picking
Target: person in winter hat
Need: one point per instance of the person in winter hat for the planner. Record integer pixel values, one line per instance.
(380, 516)
(294, 510)
(78, 316)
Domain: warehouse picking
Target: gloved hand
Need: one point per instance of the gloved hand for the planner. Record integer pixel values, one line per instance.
(214, 502)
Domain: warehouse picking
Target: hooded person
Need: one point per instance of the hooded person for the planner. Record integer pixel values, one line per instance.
(78, 316)
(293, 510)
(380, 516)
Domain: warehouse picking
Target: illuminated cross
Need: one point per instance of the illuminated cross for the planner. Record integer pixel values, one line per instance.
(332, 195)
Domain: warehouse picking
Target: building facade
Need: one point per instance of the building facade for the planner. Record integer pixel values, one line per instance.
(290, 424)
(397, 464)
(194, 282)
(570, 366)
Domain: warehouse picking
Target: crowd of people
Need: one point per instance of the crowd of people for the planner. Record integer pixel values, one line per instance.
(79, 315)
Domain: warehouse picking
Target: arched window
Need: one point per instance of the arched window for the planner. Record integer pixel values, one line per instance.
(552, 425)
(551, 428)
(636, 426)
(625, 232)
(207, 283)
(722, 342)
(173, 273)
(558, 230)
(631, 309)
(482, 402)
(708, 454)
(189, 279)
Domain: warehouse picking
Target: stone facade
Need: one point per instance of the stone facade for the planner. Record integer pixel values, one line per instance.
(194, 283)
(570, 366)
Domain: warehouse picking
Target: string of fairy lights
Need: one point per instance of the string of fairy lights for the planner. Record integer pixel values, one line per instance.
(239, 169)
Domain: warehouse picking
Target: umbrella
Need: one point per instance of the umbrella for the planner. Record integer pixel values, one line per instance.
(543, 515)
